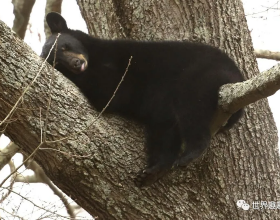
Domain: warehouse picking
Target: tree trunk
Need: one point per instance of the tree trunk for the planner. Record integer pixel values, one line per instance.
(96, 167)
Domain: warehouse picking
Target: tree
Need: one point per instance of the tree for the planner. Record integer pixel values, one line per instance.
(96, 166)
(22, 11)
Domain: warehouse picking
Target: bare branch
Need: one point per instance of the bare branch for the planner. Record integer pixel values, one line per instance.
(30, 156)
(22, 10)
(12, 170)
(266, 54)
(51, 5)
(233, 97)
(7, 153)
(26, 199)
(40, 177)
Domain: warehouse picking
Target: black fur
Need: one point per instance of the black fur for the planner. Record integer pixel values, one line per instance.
(171, 87)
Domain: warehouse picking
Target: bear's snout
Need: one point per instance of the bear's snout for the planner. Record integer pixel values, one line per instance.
(78, 64)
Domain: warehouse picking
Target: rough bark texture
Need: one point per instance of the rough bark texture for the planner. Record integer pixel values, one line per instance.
(241, 164)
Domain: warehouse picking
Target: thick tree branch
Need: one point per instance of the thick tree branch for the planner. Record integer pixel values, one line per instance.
(266, 54)
(233, 97)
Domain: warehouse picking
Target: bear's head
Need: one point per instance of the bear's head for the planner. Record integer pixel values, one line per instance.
(71, 54)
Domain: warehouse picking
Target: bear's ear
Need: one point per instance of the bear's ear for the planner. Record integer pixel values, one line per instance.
(56, 22)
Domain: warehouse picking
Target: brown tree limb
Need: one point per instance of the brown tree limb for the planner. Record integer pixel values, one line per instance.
(13, 178)
(7, 153)
(266, 54)
(22, 11)
(51, 5)
(233, 97)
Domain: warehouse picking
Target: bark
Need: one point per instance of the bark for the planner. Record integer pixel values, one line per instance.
(235, 96)
(22, 11)
(96, 167)
(266, 54)
(51, 5)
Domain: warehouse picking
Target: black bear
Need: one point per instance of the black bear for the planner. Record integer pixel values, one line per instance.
(171, 87)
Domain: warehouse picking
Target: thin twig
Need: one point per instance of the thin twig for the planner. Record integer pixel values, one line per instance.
(41, 129)
(54, 213)
(11, 120)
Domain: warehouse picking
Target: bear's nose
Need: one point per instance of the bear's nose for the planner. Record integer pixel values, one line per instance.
(76, 63)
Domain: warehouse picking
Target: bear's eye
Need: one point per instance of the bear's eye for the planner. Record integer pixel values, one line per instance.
(65, 47)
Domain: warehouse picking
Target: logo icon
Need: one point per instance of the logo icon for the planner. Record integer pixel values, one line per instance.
(243, 205)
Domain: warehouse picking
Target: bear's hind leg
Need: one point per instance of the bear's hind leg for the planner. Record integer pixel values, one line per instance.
(163, 147)
(196, 142)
